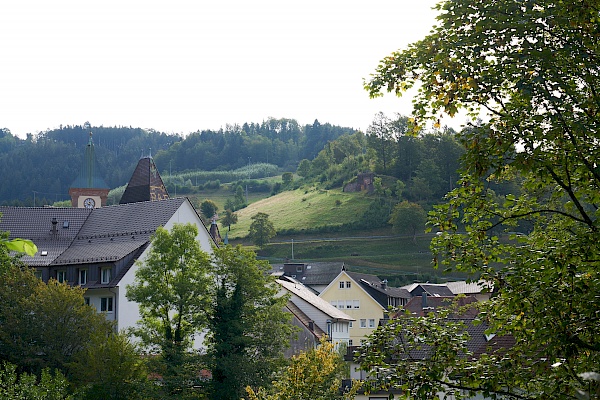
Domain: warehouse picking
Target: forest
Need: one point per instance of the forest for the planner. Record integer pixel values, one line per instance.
(419, 168)
(41, 167)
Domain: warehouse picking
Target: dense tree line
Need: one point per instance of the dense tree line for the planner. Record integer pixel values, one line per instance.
(43, 166)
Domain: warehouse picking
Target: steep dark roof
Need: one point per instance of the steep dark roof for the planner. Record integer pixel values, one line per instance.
(310, 274)
(93, 235)
(377, 288)
(422, 305)
(145, 184)
(432, 289)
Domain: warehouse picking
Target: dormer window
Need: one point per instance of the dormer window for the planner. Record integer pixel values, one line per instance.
(105, 275)
(61, 276)
(83, 276)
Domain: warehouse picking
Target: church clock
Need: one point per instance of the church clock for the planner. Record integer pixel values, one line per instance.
(89, 203)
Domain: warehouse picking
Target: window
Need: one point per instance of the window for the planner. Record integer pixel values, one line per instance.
(38, 273)
(348, 284)
(86, 300)
(105, 278)
(350, 324)
(356, 303)
(82, 276)
(371, 323)
(348, 303)
(350, 341)
(341, 284)
(61, 276)
(363, 323)
(106, 304)
(299, 268)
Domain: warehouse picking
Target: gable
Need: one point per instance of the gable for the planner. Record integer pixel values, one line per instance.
(335, 292)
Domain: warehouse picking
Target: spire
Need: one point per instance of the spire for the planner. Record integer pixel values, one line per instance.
(145, 184)
(88, 177)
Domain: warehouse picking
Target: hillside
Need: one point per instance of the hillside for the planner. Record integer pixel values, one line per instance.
(303, 209)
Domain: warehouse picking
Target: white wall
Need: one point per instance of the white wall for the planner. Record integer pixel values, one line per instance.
(127, 311)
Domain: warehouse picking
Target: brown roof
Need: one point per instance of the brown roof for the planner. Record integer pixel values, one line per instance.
(421, 305)
(145, 184)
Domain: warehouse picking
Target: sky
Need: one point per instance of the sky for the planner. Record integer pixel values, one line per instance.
(180, 66)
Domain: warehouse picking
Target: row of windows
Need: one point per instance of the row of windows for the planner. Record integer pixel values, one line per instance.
(345, 284)
(106, 303)
(363, 323)
(82, 275)
(345, 304)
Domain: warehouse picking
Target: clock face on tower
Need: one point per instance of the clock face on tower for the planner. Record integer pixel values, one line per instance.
(89, 203)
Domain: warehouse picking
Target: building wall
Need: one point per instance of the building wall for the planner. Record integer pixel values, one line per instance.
(368, 309)
(338, 331)
(128, 311)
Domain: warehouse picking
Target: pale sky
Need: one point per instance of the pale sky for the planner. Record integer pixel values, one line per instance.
(179, 66)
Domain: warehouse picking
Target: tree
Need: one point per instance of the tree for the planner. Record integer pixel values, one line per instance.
(303, 169)
(261, 229)
(287, 178)
(209, 209)
(109, 368)
(28, 386)
(44, 325)
(171, 288)
(532, 68)
(408, 217)
(315, 374)
(229, 218)
(248, 327)
(379, 136)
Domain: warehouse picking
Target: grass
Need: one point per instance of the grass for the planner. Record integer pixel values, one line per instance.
(304, 208)
(380, 251)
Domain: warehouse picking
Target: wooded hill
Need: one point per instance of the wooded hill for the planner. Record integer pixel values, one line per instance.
(43, 165)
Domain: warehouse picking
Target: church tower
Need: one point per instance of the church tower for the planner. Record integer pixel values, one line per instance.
(145, 184)
(89, 190)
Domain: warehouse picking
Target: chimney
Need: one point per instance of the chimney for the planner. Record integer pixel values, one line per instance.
(384, 284)
(424, 300)
(54, 223)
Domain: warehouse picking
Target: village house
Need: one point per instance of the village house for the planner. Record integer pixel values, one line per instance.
(365, 298)
(316, 317)
(96, 246)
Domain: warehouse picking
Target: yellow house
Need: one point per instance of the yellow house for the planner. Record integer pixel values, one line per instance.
(365, 298)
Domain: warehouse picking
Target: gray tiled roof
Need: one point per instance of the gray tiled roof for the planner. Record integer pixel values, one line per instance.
(35, 223)
(96, 235)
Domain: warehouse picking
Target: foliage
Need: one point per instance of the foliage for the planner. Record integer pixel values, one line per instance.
(109, 368)
(303, 168)
(44, 325)
(312, 375)
(209, 209)
(248, 328)
(261, 229)
(26, 386)
(532, 68)
(20, 246)
(428, 353)
(46, 164)
(229, 218)
(408, 217)
(287, 178)
(171, 289)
